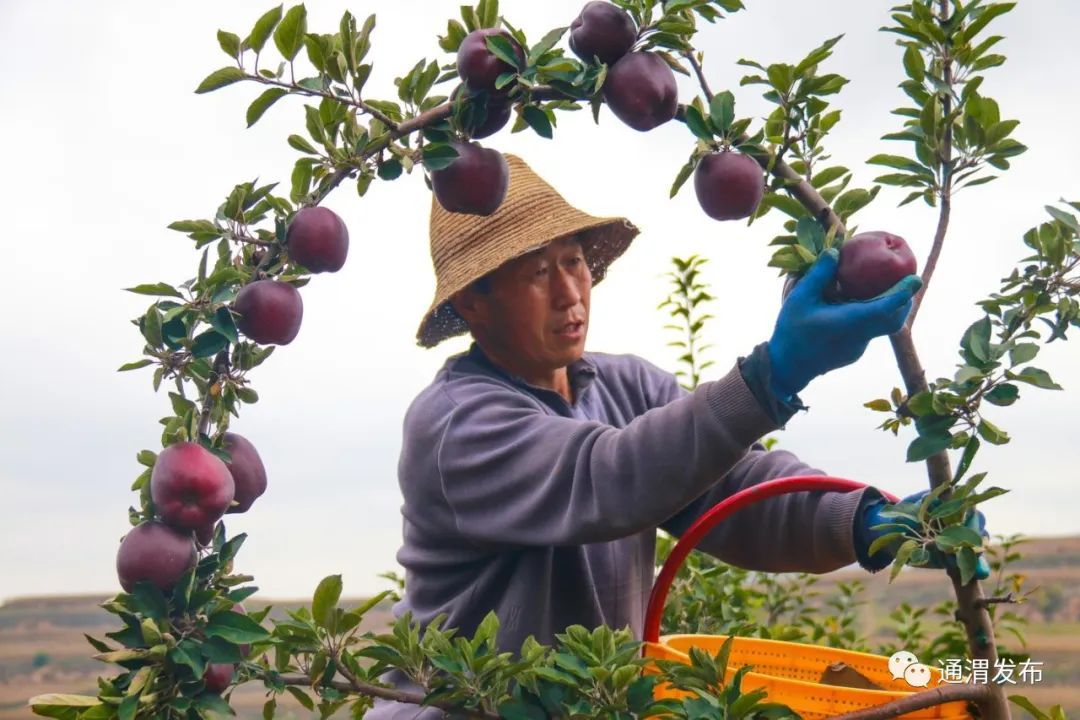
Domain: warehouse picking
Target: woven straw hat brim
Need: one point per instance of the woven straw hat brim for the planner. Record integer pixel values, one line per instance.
(464, 248)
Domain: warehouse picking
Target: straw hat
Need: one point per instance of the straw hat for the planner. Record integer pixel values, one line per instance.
(464, 248)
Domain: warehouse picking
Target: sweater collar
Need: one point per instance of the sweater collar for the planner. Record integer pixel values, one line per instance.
(580, 373)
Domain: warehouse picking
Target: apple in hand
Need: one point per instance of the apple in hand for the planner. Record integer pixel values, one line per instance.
(190, 486)
(871, 263)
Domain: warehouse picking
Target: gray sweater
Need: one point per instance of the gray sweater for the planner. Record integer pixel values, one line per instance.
(546, 511)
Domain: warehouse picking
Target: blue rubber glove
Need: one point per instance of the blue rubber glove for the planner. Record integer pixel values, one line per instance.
(866, 534)
(813, 336)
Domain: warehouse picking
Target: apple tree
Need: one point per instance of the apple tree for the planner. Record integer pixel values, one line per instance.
(186, 637)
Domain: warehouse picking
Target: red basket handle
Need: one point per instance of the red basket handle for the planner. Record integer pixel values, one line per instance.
(720, 511)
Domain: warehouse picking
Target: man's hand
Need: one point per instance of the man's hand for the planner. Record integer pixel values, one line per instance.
(813, 336)
(871, 525)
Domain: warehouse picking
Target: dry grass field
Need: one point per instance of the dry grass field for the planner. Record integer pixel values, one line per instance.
(42, 648)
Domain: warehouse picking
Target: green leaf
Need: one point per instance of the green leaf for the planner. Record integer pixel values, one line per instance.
(135, 365)
(220, 78)
(263, 103)
(956, 536)
(1002, 395)
(828, 175)
(208, 343)
(390, 169)
(697, 124)
(537, 120)
(722, 111)
(63, 706)
(235, 628)
(263, 27)
(914, 63)
(684, 174)
(324, 603)
(926, 445)
(992, 433)
(222, 321)
(902, 555)
(546, 43)
(966, 560)
(299, 143)
(976, 339)
(229, 42)
(503, 48)
(881, 405)
(898, 162)
(1036, 377)
(156, 289)
(289, 35)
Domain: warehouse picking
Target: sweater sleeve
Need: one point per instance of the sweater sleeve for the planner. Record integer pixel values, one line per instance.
(512, 474)
(800, 532)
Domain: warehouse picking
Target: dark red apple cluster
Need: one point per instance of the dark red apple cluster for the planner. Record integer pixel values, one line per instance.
(191, 487)
(639, 88)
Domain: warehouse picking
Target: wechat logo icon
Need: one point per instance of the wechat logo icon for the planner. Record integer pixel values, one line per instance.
(903, 665)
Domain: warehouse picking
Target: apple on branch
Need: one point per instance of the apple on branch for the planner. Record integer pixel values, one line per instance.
(475, 182)
(318, 239)
(477, 66)
(729, 185)
(190, 486)
(154, 552)
(640, 89)
(603, 32)
(270, 312)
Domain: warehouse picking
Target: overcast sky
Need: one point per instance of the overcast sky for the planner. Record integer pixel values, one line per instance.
(104, 144)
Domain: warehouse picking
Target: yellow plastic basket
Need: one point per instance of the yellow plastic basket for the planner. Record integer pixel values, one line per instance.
(789, 672)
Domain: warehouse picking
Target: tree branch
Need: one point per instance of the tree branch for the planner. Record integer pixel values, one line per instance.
(301, 90)
(945, 192)
(919, 701)
(700, 74)
(385, 693)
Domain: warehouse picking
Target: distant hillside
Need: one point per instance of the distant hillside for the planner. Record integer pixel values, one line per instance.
(42, 648)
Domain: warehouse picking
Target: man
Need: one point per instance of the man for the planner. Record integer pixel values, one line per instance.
(535, 475)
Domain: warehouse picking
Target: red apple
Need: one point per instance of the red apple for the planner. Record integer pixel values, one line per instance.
(270, 312)
(154, 552)
(478, 67)
(604, 31)
(318, 239)
(218, 677)
(871, 263)
(474, 183)
(729, 185)
(190, 486)
(248, 472)
(640, 89)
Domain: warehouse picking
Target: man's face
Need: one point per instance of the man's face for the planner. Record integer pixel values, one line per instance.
(536, 315)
